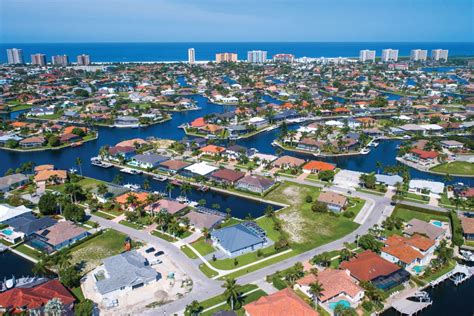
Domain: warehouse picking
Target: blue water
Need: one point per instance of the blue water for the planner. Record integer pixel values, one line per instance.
(344, 303)
(438, 223)
(14, 265)
(127, 52)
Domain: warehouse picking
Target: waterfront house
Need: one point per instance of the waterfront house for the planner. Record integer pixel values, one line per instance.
(258, 122)
(314, 166)
(166, 205)
(282, 303)
(337, 285)
(335, 202)
(147, 161)
(134, 142)
(467, 224)
(123, 273)
(287, 162)
(212, 150)
(368, 266)
(416, 226)
(127, 121)
(200, 220)
(58, 236)
(237, 152)
(422, 157)
(69, 138)
(32, 142)
(388, 180)
(8, 212)
(24, 226)
(198, 169)
(254, 183)
(123, 200)
(426, 187)
(10, 182)
(310, 144)
(452, 144)
(32, 300)
(410, 253)
(227, 176)
(239, 239)
(173, 165)
(121, 152)
(51, 176)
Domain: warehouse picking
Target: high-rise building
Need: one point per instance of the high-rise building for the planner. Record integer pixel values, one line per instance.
(418, 54)
(284, 58)
(367, 55)
(15, 56)
(191, 56)
(38, 59)
(389, 55)
(257, 56)
(60, 60)
(439, 54)
(226, 57)
(83, 60)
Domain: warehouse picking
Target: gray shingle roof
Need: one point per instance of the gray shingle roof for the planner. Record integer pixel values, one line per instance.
(237, 237)
(151, 159)
(124, 270)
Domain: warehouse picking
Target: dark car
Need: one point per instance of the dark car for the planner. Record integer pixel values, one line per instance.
(151, 249)
(159, 253)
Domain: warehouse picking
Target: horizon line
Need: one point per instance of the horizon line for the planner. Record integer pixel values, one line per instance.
(230, 42)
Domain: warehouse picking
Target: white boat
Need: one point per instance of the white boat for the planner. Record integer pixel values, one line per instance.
(160, 178)
(467, 255)
(365, 151)
(182, 199)
(374, 144)
(130, 171)
(72, 170)
(133, 187)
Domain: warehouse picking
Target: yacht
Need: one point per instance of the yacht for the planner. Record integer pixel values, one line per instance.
(467, 255)
(160, 178)
(130, 171)
(133, 187)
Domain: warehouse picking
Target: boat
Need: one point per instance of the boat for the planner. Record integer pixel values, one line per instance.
(76, 144)
(467, 255)
(176, 183)
(130, 171)
(133, 187)
(160, 178)
(374, 144)
(182, 199)
(73, 170)
(365, 151)
(203, 188)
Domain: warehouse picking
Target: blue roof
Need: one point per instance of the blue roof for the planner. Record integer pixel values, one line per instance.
(28, 223)
(237, 237)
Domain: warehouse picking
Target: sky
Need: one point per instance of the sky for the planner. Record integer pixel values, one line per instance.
(29, 21)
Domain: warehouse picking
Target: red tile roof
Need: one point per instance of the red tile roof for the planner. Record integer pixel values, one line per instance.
(319, 166)
(423, 154)
(32, 298)
(282, 303)
(367, 266)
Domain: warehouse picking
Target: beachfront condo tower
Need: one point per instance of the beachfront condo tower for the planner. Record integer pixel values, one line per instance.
(389, 55)
(257, 56)
(15, 56)
(38, 59)
(191, 56)
(226, 57)
(60, 60)
(439, 54)
(418, 54)
(83, 60)
(367, 55)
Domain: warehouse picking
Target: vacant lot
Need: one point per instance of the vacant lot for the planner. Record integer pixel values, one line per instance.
(456, 167)
(91, 252)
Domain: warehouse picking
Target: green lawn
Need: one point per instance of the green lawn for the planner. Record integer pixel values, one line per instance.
(33, 253)
(242, 260)
(91, 252)
(406, 215)
(20, 107)
(268, 225)
(203, 247)
(245, 300)
(84, 183)
(131, 225)
(188, 252)
(77, 291)
(455, 167)
(103, 215)
(355, 205)
(163, 236)
(440, 272)
(207, 271)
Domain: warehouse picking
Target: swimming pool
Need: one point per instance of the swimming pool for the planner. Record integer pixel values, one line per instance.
(437, 223)
(344, 303)
(418, 269)
(7, 232)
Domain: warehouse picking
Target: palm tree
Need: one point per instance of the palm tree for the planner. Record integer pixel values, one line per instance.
(132, 199)
(169, 188)
(173, 227)
(102, 189)
(73, 189)
(194, 308)
(79, 164)
(378, 165)
(316, 289)
(205, 233)
(231, 293)
(185, 189)
(146, 184)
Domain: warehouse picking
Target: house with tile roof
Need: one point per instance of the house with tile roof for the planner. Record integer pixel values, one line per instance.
(335, 201)
(282, 303)
(32, 300)
(368, 266)
(417, 226)
(337, 285)
(227, 176)
(314, 166)
(173, 165)
(285, 162)
(254, 183)
(166, 205)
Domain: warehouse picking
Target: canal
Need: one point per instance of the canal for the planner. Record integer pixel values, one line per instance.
(14, 265)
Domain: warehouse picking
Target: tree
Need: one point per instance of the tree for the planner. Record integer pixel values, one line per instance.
(269, 212)
(53, 141)
(205, 233)
(169, 188)
(102, 189)
(316, 290)
(194, 309)
(185, 189)
(326, 175)
(54, 307)
(117, 179)
(74, 213)
(47, 204)
(368, 180)
(84, 308)
(78, 131)
(320, 207)
(232, 292)
(369, 242)
(345, 254)
(146, 184)
(79, 164)
(69, 276)
(74, 190)
(342, 310)
(323, 259)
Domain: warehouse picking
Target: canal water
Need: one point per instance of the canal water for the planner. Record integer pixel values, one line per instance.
(14, 265)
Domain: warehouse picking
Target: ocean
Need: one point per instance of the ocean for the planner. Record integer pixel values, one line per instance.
(147, 52)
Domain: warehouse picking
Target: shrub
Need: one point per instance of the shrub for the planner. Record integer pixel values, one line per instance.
(309, 199)
(367, 305)
(348, 214)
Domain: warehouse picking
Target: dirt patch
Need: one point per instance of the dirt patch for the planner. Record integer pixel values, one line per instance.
(292, 224)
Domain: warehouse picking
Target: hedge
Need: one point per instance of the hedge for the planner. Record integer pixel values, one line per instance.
(423, 210)
(278, 283)
(457, 238)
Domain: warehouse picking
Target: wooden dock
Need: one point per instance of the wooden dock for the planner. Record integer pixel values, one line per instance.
(411, 307)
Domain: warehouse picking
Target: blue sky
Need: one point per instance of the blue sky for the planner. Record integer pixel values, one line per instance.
(237, 20)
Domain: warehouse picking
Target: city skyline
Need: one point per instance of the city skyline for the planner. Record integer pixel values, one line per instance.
(183, 21)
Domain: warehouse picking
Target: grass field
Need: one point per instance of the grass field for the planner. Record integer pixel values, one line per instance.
(246, 299)
(84, 183)
(188, 252)
(407, 215)
(91, 252)
(131, 225)
(455, 167)
(203, 247)
(33, 253)
(163, 236)
(242, 260)
(207, 271)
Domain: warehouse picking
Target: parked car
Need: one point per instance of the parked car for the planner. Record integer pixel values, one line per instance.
(159, 253)
(151, 249)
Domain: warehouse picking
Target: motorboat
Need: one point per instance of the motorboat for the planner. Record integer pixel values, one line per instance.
(160, 178)
(133, 187)
(130, 171)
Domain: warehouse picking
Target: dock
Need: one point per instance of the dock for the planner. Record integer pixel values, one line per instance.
(459, 274)
(405, 306)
